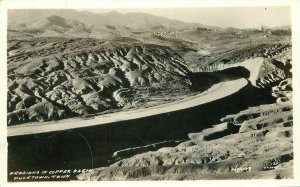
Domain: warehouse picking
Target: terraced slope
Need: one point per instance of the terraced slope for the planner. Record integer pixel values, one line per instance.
(254, 143)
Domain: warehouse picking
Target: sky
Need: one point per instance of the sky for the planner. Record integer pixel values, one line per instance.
(240, 17)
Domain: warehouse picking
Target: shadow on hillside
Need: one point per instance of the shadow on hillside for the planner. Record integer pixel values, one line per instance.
(93, 146)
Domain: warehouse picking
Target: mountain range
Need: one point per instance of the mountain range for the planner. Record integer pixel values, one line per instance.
(30, 18)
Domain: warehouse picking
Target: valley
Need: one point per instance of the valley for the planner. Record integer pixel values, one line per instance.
(142, 97)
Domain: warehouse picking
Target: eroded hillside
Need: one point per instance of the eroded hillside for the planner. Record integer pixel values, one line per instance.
(254, 143)
(47, 85)
(52, 78)
(64, 64)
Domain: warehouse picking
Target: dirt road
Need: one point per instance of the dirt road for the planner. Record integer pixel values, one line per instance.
(216, 92)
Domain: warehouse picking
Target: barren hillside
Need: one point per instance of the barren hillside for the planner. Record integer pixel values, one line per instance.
(67, 65)
(53, 80)
(254, 143)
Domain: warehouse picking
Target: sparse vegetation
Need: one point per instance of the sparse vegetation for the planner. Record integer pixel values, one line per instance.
(64, 65)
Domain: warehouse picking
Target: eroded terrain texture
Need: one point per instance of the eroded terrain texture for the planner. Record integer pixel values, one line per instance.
(65, 64)
(254, 143)
(60, 85)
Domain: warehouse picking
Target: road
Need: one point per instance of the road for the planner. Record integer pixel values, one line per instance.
(216, 92)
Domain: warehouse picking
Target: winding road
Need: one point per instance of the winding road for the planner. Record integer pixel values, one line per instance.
(218, 91)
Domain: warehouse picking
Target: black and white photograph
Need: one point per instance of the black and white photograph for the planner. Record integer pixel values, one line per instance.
(149, 94)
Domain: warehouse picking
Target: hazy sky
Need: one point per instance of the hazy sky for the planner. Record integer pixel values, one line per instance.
(241, 17)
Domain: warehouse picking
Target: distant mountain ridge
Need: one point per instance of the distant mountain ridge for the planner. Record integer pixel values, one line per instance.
(132, 20)
(57, 21)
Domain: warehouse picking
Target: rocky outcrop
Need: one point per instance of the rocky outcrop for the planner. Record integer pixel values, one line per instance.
(283, 92)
